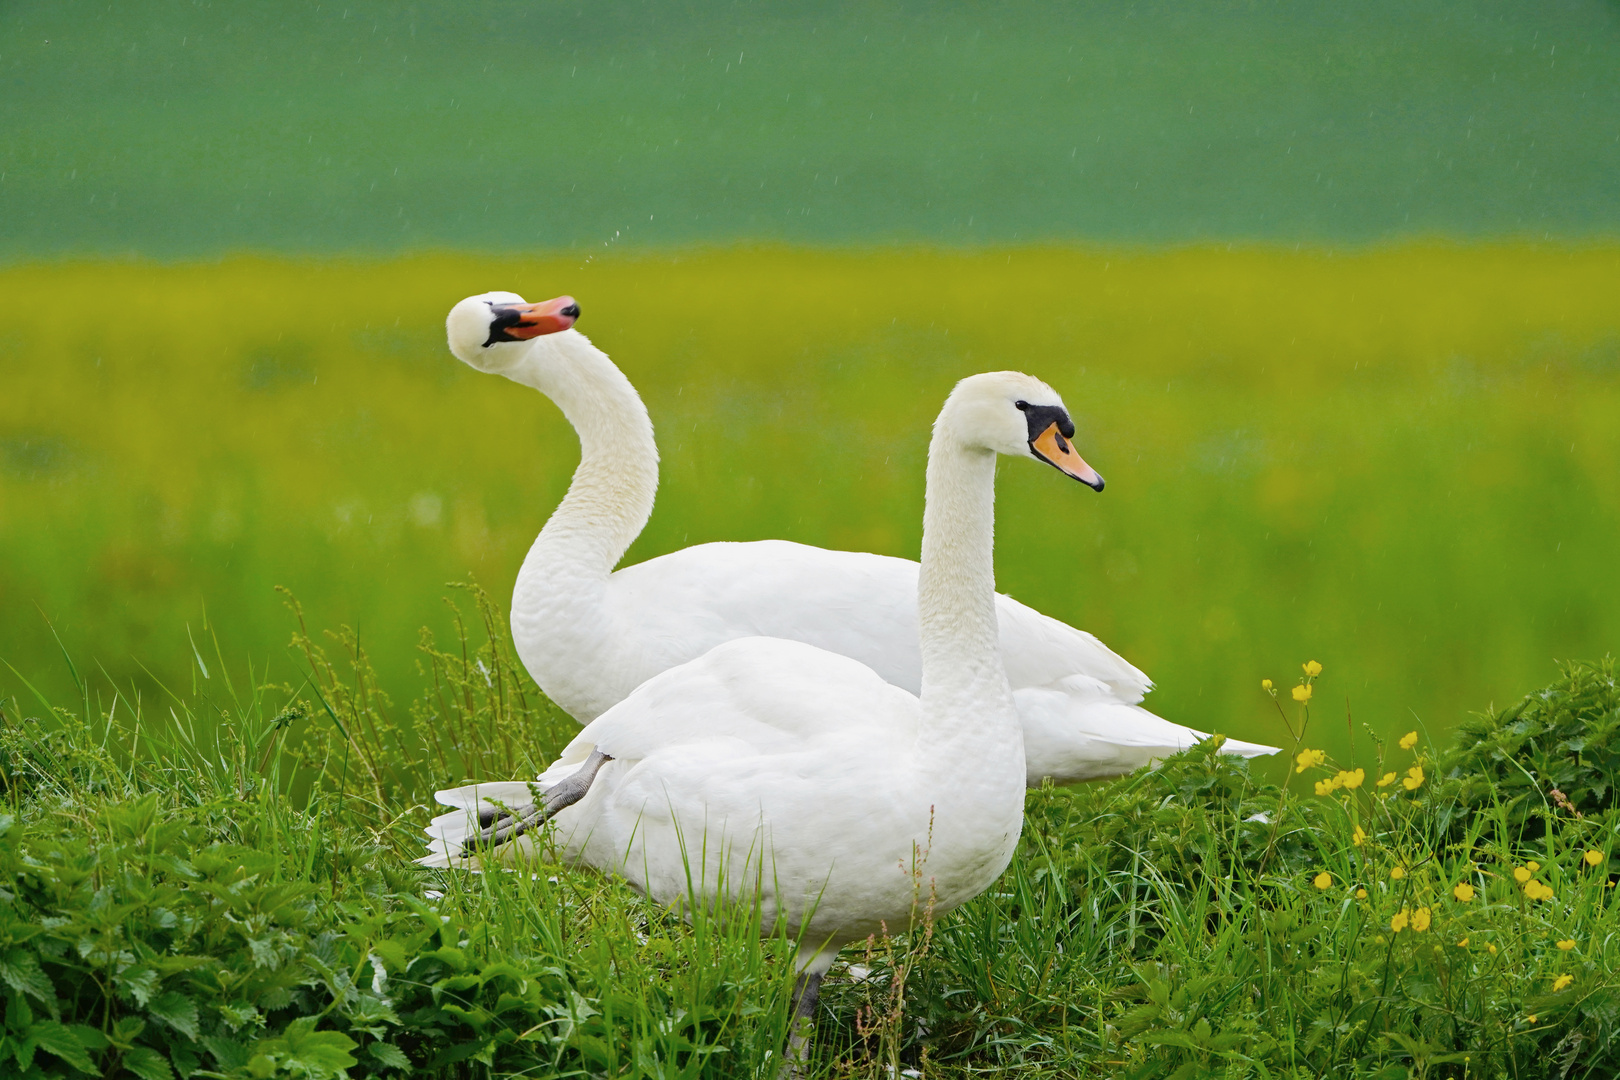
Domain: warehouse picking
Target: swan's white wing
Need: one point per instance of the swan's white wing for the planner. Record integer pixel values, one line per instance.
(849, 602)
(1078, 698)
(763, 765)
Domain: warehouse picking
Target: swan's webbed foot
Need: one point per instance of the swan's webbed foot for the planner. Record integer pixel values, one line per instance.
(498, 826)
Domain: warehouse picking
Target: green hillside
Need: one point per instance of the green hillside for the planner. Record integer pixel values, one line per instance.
(179, 129)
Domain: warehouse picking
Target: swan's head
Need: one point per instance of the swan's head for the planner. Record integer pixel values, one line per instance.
(1015, 414)
(486, 330)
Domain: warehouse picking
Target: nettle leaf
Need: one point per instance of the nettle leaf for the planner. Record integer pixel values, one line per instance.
(389, 1055)
(229, 1054)
(236, 1015)
(19, 1017)
(176, 1010)
(60, 1040)
(20, 970)
(301, 1048)
(140, 983)
(148, 1064)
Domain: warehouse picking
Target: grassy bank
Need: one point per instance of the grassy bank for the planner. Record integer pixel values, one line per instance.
(1397, 460)
(217, 885)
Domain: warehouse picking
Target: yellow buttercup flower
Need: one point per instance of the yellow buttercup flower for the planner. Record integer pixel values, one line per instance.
(1409, 740)
(1322, 880)
(1398, 921)
(1397, 873)
(1351, 779)
(1413, 778)
(1325, 787)
(1491, 948)
(1462, 943)
(1561, 982)
(1361, 894)
(1386, 780)
(1521, 874)
(1420, 919)
(1531, 1017)
(1463, 891)
(1532, 866)
(1312, 668)
(1265, 684)
(1359, 837)
(1535, 890)
(1567, 944)
(1307, 759)
(1593, 858)
(1302, 692)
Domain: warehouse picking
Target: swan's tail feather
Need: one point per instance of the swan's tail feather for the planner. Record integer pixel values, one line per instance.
(475, 805)
(1069, 737)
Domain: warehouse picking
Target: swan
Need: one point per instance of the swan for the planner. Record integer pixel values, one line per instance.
(589, 635)
(774, 772)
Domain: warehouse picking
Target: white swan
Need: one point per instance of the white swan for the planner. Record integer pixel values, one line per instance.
(590, 635)
(771, 771)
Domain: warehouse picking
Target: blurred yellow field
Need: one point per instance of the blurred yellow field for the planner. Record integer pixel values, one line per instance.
(1400, 462)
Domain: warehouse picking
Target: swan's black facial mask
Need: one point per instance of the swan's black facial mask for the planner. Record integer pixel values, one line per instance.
(506, 317)
(520, 322)
(1050, 430)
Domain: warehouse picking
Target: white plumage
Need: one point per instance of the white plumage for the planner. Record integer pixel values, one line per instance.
(771, 771)
(589, 635)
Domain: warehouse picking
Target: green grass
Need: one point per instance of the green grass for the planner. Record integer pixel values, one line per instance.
(1399, 463)
(216, 885)
(180, 129)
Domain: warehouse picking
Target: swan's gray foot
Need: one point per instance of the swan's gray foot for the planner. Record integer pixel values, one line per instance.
(499, 826)
(801, 1024)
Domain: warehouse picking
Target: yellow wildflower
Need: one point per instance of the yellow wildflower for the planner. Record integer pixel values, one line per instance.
(1397, 873)
(1593, 858)
(1361, 894)
(1567, 944)
(1521, 874)
(1302, 692)
(1398, 922)
(1463, 891)
(1312, 668)
(1265, 684)
(1413, 779)
(1386, 780)
(1322, 880)
(1359, 837)
(1420, 919)
(1531, 1017)
(1325, 787)
(1532, 866)
(1491, 948)
(1462, 943)
(1409, 740)
(1352, 779)
(1306, 759)
(1561, 982)
(1535, 890)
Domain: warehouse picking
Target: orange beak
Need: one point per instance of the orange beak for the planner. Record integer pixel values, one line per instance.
(1051, 447)
(519, 322)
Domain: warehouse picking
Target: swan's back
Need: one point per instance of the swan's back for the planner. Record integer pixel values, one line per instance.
(854, 603)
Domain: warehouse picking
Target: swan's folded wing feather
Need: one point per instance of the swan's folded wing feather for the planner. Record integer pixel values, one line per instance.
(770, 694)
(853, 603)
(1039, 650)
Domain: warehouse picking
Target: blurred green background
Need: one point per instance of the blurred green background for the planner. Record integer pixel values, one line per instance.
(1332, 291)
(182, 128)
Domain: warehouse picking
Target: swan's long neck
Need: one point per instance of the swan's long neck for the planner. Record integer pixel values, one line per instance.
(611, 495)
(965, 696)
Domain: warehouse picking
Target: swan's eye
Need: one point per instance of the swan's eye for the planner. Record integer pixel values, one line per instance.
(1020, 405)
